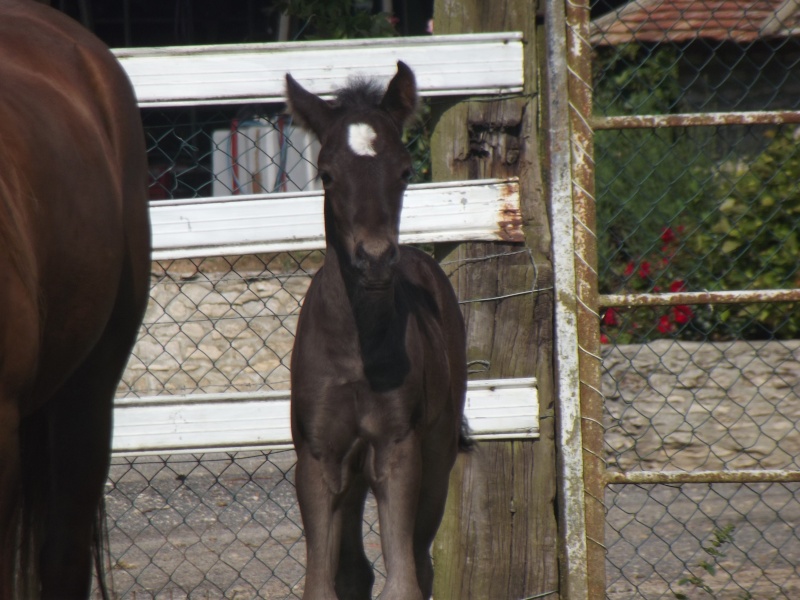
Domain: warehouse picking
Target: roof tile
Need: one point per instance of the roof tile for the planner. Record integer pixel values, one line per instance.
(678, 21)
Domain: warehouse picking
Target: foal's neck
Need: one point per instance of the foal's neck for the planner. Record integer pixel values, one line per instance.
(380, 319)
(373, 310)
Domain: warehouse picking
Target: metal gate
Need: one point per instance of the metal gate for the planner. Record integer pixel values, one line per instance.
(678, 362)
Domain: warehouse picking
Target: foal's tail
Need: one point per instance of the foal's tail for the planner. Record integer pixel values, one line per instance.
(465, 441)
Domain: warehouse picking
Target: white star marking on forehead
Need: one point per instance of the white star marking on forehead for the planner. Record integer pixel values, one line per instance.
(360, 137)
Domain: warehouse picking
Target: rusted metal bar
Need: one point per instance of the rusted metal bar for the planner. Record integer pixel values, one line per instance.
(579, 60)
(571, 491)
(696, 120)
(733, 297)
(676, 477)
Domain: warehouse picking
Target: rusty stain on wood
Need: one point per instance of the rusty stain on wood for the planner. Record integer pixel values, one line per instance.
(509, 218)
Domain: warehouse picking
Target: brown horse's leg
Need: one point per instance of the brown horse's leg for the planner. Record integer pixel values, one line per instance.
(9, 491)
(354, 578)
(322, 526)
(398, 467)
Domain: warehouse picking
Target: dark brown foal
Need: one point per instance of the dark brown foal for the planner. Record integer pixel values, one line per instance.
(379, 367)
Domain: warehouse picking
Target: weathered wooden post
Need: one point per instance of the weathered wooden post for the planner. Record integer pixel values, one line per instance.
(499, 536)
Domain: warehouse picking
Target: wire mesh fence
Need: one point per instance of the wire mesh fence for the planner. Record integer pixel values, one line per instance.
(687, 208)
(197, 152)
(226, 525)
(220, 324)
(214, 525)
(211, 526)
(220, 525)
(217, 525)
(721, 540)
(689, 388)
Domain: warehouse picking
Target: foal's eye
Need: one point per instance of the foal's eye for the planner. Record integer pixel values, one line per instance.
(407, 175)
(325, 177)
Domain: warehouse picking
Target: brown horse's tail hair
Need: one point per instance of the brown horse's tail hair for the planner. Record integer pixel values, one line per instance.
(32, 512)
(99, 550)
(32, 506)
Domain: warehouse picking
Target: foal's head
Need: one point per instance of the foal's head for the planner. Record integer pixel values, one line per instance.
(364, 168)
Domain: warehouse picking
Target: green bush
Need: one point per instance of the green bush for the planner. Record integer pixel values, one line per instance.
(675, 215)
(337, 19)
(650, 193)
(647, 180)
(751, 240)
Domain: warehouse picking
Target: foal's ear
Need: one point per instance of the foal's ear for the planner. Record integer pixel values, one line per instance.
(309, 110)
(400, 100)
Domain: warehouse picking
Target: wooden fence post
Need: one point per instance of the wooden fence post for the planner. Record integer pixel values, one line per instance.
(498, 540)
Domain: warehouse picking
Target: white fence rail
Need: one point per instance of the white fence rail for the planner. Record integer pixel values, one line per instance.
(211, 422)
(460, 211)
(243, 73)
(470, 210)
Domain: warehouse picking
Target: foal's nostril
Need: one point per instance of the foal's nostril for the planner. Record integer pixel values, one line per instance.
(392, 254)
(376, 266)
(362, 257)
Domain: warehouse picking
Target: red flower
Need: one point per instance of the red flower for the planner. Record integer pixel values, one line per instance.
(668, 235)
(604, 339)
(682, 314)
(644, 270)
(664, 324)
(677, 286)
(610, 317)
(629, 269)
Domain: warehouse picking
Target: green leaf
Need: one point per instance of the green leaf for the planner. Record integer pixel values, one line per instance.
(730, 205)
(710, 568)
(730, 246)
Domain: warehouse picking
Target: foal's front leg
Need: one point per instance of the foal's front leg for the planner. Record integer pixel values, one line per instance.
(322, 524)
(397, 472)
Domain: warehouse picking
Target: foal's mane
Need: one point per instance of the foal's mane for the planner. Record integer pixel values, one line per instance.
(359, 93)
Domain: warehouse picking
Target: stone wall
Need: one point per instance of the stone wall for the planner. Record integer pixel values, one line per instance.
(702, 406)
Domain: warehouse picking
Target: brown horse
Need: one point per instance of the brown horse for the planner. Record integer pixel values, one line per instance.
(74, 278)
(378, 368)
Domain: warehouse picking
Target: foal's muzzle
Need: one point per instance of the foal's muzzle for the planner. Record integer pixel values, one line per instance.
(376, 268)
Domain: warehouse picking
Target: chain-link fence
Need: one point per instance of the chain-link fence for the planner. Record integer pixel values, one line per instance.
(223, 524)
(217, 525)
(689, 202)
(696, 194)
(223, 324)
(211, 526)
